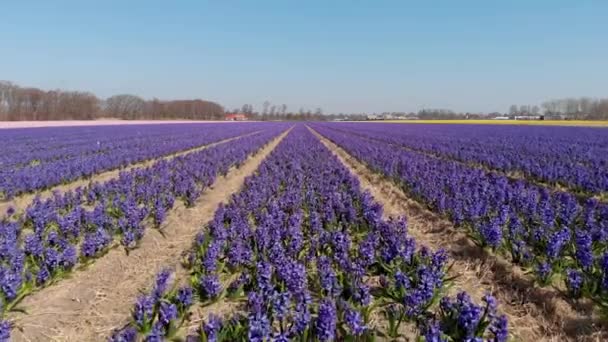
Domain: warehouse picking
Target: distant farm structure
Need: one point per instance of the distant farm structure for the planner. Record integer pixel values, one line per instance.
(391, 116)
(236, 117)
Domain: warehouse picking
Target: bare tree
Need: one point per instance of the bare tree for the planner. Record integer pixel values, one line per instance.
(125, 106)
(265, 107)
(586, 105)
(535, 110)
(572, 106)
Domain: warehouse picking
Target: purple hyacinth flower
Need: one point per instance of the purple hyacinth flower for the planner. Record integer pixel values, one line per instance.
(280, 305)
(212, 327)
(325, 326)
(128, 334)
(354, 321)
(42, 276)
(33, 245)
(185, 296)
(69, 256)
(557, 242)
(143, 310)
(432, 332)
(10, 282)
(5, 331)
(157, 334)
(281, 337)
(210, 286)
(584, 254)
(500, 329)
(259, 328)
(491, 233)
(574, 281)
(544, 271)
(161, 283)
(167, 313)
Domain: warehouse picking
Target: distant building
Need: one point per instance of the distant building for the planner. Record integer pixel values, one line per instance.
(373, 117)
(528, 117)
(501, 118)
(236, 117)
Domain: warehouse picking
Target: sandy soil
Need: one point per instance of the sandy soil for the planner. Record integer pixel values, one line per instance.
(20, 203)
(534, 313)
(100, 122)
(94, 301)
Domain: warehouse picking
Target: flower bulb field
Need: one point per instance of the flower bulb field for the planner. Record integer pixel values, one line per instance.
(278, 231)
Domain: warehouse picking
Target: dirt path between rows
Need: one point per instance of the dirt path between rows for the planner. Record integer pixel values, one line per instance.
(21, 202)
(534, 314)
(94, 301)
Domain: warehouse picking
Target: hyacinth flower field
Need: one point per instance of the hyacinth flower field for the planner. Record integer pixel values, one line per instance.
(559, 237)
(39, 158)
(304, 232)
(570, 157)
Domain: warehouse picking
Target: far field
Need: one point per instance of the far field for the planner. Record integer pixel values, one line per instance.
(506, 122)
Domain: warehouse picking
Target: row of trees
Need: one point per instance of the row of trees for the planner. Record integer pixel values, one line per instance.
(581, 108)
(132, 107)
(524, 110)
(444, 114)
(584, 108)
(272, 112)
(19, 103)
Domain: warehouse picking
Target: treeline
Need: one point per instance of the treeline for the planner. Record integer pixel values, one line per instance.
(131, 107)
(20, 104)
(583, 108)
(306, 116)
(445, 114)
(273, 112)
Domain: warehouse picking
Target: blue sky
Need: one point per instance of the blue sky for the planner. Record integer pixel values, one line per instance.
(342, 56)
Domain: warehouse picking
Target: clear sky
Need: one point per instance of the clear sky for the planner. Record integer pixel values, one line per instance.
(343, 56)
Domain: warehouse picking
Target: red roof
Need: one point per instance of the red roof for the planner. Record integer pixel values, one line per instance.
(236, 117)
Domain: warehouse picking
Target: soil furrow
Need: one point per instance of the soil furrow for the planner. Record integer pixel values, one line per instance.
(534, 313)
(20, 203)
(96, 300)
